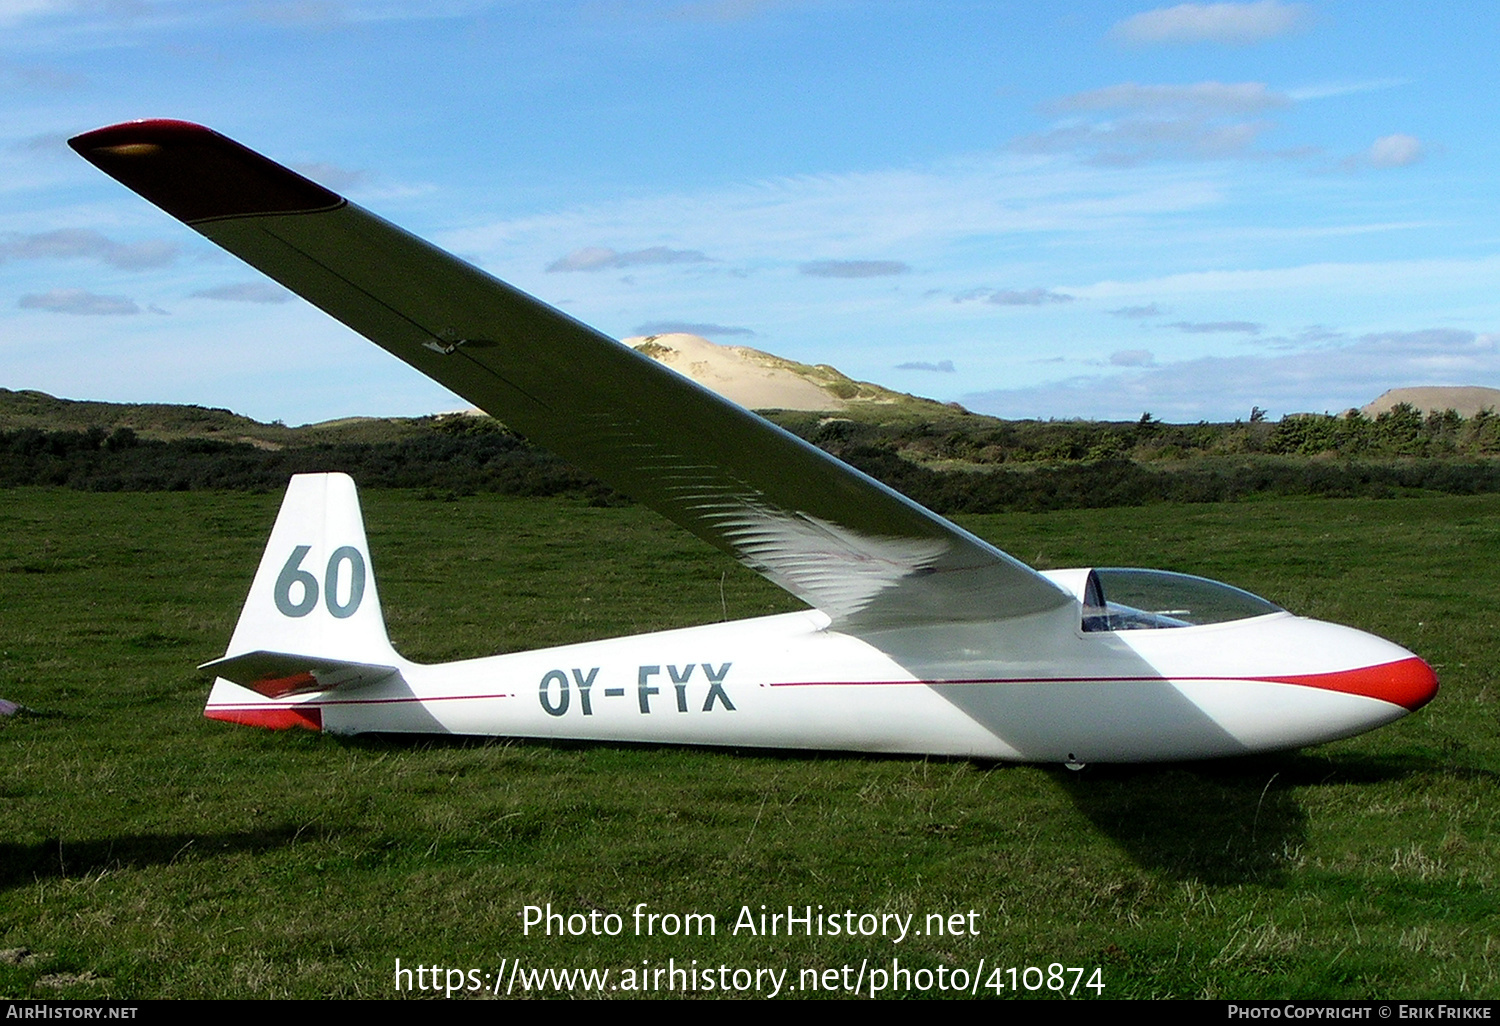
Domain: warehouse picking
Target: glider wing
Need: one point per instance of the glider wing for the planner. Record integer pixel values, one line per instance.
(833, 537)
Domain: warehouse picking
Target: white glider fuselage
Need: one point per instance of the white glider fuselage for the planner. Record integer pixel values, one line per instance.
(1036, 688)
(1034, 692)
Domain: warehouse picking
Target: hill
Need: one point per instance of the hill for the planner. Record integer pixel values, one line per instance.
(759, 380)
(37, 411)
(1466, 401)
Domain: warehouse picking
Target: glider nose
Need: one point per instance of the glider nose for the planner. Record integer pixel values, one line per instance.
(1388, 672)
(1376, 669)
(1381, 683)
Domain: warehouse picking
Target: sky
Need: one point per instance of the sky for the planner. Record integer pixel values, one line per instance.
(1066, 209)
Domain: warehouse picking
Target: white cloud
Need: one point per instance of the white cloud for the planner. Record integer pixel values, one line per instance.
(853, 268)
(1132, 358)
(51, 144)
(41, 77)
(1340, 280)
(1133, 141)
(690, 328)
(1330, 379)
(106, 17)
(1232, 24)
(942, 366)
(1206, 99)
(1388, 151)
(1130, 123)
(332, 176)
(1327, 89)
(599, 258)
(1314, 336)
(72, 243)
(1215, 327)
(77, 301)
(17, 10)
(1014, 297)
(246, 292)
(920, 211)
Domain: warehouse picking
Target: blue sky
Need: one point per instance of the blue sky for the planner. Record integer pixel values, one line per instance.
(1038, 210)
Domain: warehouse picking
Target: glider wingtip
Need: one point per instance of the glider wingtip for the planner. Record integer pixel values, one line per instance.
(195, 174)
(140, 130)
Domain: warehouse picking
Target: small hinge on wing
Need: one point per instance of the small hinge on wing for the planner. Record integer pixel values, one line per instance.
(448, 344)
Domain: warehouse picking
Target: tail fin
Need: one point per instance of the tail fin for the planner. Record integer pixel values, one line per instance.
(312, 621)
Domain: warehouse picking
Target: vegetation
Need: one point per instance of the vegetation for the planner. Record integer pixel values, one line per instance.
(948, 459)
(958, 439)
(455, 454)
(148, 852)
(166, 421)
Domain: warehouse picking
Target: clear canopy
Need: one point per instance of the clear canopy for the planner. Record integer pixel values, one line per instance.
(1129, 600)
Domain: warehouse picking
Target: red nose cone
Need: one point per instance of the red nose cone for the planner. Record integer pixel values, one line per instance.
(1409, 683)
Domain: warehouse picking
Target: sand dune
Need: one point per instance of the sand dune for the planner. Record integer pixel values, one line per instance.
(755, 380)
(1465, 400)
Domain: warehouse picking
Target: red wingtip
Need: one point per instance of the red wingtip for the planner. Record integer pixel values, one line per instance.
(127, 131)
(195, 174)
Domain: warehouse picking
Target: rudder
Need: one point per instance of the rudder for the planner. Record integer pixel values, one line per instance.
(314, 592)
(312, 621)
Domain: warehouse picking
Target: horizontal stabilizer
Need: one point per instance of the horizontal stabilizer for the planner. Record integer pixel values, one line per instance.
(279, 674)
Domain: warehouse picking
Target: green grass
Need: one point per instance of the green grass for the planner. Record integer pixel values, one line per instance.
(147, 852)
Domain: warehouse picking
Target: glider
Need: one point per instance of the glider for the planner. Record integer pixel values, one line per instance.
(921, 638)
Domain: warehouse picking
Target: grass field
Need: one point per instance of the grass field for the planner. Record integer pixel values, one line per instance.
(146, 852)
